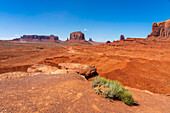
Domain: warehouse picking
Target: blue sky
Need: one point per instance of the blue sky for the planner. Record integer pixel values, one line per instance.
(101, 20)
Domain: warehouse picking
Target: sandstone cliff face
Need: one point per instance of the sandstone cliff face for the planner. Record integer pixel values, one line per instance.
(161, 29)
(77, 36)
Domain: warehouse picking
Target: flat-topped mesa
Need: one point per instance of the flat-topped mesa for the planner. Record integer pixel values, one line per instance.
(38, 38)
(77, 36)
(161, 29)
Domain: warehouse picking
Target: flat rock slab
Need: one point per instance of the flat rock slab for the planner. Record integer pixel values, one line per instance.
(64, 68)
(68, 93)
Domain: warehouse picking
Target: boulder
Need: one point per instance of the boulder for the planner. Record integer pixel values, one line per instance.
(82, 69)
(77, 36)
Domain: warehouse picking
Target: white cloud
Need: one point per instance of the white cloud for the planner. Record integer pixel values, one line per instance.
(85, 29)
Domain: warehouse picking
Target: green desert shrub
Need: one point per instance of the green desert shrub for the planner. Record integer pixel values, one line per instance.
(98, 81)
(112, 90)
(127, 98)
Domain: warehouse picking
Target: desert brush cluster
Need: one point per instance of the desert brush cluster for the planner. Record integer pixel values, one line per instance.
(112, 90)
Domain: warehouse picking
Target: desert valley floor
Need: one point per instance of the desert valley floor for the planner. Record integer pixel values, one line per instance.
(143, 68)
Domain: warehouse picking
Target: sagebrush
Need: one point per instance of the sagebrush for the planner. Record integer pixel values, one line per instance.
(112, 90)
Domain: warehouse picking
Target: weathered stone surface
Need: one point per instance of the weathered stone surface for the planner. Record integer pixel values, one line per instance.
(82, 69)
(41, 68)
(74, 68)
(77, 36)
(122, 37)
(161, 29)
(167, 28)
(12, 75)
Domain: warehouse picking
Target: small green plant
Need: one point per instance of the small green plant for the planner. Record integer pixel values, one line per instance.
(127, 98)
(112, 90)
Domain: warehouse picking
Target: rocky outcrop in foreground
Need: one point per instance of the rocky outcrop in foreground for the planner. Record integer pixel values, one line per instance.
(63, 68)
(85, 70)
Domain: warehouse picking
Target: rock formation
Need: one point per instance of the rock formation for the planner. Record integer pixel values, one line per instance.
(161, 29)
(90, 40)
(77, 36)
(122, 37)
(108, 42)
(38, 38)
(63, 68)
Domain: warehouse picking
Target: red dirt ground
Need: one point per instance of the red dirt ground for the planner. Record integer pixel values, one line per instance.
(69, 93)
(141, 66)
(145, 67)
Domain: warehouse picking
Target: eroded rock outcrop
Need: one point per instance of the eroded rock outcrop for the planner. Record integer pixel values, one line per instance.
(63, 68)
(41, 68)
(77, 36)
(161, 29)
(82, 69)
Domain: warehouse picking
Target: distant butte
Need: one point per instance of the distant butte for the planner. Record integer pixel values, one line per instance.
(122, 37)
(38, 38)
(78, 35)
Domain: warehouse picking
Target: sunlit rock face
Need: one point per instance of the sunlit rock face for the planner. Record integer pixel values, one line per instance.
(161, 29)
(167, 28)
(77, 36)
